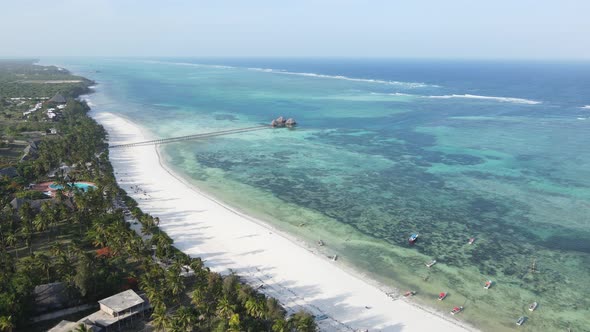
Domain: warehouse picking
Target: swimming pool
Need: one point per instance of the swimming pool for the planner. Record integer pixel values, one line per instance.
(80, 185)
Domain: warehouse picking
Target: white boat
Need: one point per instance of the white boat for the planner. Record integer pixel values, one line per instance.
(533, 306)
(431, 263)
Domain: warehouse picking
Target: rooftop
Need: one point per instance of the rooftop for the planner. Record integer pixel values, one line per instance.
(122, 301)
(58, 98)
(9, 171)
(67, 326)
(101, 318)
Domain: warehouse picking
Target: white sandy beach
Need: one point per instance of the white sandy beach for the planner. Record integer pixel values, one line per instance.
(228, 240)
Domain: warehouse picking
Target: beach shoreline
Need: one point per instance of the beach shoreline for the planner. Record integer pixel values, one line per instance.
(228, 240)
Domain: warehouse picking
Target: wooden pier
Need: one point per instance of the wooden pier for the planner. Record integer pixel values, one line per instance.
(190, 137)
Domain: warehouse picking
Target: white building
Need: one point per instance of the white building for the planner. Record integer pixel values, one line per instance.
(116, 311)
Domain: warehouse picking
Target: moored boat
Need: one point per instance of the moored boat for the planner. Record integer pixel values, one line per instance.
(432, 262)
(533, 306)
(488, 284)
(413, 238)
(520, 320)
(456, 310)
(471, 240)
(442, 296)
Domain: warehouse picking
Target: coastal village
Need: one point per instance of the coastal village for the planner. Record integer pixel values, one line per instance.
(303, 166)
(77, 254)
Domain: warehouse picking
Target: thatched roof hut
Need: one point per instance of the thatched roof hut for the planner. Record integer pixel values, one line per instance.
(10, 172)
(58, 99)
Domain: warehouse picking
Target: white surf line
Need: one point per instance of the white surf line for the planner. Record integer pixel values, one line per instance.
(500, 99)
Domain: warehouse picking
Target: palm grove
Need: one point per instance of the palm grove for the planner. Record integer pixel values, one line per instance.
(83, 240)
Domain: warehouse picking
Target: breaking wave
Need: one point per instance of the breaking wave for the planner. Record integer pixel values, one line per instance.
(189, 64)
(285, 72)
(340, 77)
(501, 99)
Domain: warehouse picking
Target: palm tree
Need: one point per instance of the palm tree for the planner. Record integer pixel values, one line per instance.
(26, 215)
(147, 224)
(44, 263)
(303, 322)
(175, 283)
(12, 241)
(27, 233)
(6, 324)
(255, 308)
(160, 320)
(98, 235)
(41, 223)
(163, 243)
(234, 323)
(225, 308)
(280, 325)
(82, 328)
(184, 318)
(57, 249)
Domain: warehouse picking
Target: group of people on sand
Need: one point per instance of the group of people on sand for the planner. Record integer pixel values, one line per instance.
(136, 189)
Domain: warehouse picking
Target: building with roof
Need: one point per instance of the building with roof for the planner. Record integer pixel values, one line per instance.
(58, 99)
(36, 204)
(32, 150)
(10, 172)
(117, 311)
(67, 326)
(50, 297)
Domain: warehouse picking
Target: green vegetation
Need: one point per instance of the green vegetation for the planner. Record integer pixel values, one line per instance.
(81, 239)
(21, 78)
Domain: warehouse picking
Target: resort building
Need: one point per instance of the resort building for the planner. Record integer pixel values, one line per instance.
(31, 151)
(117, 311)
(37, 203)
(67, 326)
(58, 99)
(10, 172)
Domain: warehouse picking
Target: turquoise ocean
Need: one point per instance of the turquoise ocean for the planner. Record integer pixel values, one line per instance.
(498, 151)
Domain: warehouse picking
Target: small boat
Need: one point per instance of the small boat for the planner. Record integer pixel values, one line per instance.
(520, 320)
(442, 296)
(335, 258)
(413, 238)
(533, 306)
(456, 310)
(432, 262)
(488, 284)
(471, 240)
(320, 243)
(409, 293)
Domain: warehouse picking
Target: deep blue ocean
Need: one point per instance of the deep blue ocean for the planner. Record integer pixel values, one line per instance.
(495, 150)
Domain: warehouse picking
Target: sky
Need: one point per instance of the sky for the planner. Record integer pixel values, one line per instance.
(465, 29)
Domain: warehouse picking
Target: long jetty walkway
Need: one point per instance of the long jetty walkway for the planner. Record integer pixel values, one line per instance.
(191, 137)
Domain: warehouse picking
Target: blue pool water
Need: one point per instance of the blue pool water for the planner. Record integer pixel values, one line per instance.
(80, 185)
